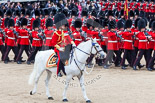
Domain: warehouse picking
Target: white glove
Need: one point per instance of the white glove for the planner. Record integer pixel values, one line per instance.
(61, 49)
(74, 45)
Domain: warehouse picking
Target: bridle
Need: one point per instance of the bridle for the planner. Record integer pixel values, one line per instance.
(97, 51)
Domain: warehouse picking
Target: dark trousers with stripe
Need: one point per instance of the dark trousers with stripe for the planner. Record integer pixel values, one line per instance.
(140, 55)
(33, 53)
(2, 51)
(14, 49)
(129, 55)
(151, 62)
(22, 48)
(110, 55)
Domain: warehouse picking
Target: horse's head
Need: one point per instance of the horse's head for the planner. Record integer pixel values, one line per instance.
(96, 48)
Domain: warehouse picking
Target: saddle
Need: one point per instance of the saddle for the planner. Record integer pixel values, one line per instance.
(64, 57)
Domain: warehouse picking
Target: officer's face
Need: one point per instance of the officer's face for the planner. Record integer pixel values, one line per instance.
(36, 29)
(24, 26)
(78, 29)
(143, 29)
(49, 28)
(11, 27)
(63, 27)
(96, 28)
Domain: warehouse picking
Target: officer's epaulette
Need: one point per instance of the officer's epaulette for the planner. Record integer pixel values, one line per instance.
(57, 33)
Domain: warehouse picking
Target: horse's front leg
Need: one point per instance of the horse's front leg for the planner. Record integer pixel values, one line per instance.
(46, 85)
(81, 79)
(68, 78)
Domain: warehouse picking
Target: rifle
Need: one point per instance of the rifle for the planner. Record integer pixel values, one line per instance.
(2, 32)
(83, 35)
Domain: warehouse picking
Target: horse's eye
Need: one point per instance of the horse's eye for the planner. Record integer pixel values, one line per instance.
(97, 46)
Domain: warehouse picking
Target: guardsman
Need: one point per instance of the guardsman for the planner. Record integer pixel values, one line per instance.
(151, 61)
(143, 44)
(24, 40)
(89, 29)
(112, 45)
(60, 39)
(1, 19)
(128, 44)
(43, 20)
(77, 33)
(84, 19)
(49, 31)
(11, 44)
(37, 42)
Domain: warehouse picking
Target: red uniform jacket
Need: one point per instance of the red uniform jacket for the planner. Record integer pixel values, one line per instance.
(43, 21)
(153, 36)
(77, 37)
(112, 41)
(11, 38)
(143, 42)
(105, 37)
(1, 36)
(36, 39)
(128, 41)
(48, 34)
(6, 36)
(151, 42)
(24, 37)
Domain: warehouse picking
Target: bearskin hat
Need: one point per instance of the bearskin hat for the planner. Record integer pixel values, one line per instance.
(46, 12)
(28, 12)
(110, 13)
(142, 14)
(136, 12)
(84, 13)
(1, 13)
(141, 24)
(36, 24)
(24, 22)
(6, 22)
(78, 23)
(23, 11)
(89, 23)
(49, 22)
(17, 13)
(136, 22)
(101, 14)
(65, 12)
(128, 24)
(96, 23)
(120, 24)
(131, 13)
(54, 11)
(42, 12)
(8, 12)
(74, 12)
(59, 20)
(122, 12)
(37, 12)
(11, 22)
(153, 26)
(150, 23)
(112, 24)
(94, 13)
(105, 22)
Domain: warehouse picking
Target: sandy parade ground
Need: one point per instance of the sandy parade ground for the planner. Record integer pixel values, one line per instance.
(112, 85)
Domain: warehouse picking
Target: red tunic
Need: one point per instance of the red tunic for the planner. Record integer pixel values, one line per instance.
(105, 37)
(151, 42)
(36, 39)
(77, 37)
(143, 42)
(24, 37)
(112, 41)
(11, 38)
(48, 34)
(153, 36)
(128, 42)
(1, 36)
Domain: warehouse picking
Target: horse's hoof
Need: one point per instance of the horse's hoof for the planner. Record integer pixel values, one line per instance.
(31, 93)
(65, 100)
(88, 101)
(50, 98)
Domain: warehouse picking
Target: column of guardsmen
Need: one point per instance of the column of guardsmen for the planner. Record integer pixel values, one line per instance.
(120, 39)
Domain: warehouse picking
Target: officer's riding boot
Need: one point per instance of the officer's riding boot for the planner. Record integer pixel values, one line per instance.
(97, 60)
(89, 61)
(61, 66)
(100, 63)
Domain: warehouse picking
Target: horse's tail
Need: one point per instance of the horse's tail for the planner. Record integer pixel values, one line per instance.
(34, 72)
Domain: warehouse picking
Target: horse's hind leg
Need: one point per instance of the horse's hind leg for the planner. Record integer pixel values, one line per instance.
(46, 85)
(81, 79)
(69, 77)
(36, 82)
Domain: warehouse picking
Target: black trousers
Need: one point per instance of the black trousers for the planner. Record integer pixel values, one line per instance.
(33, 53)
(104, 48)
(2, 51)
(110, 55)
(21, 50)
(14, 49)
(129, 55)
(140, 55)
(151, 62)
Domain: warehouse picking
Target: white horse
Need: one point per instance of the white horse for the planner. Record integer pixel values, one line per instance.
(75, 68)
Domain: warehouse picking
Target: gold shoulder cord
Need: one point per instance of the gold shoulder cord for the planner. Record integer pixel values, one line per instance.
(60, 36)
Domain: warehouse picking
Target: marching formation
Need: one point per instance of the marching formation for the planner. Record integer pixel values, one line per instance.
(33, 30)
